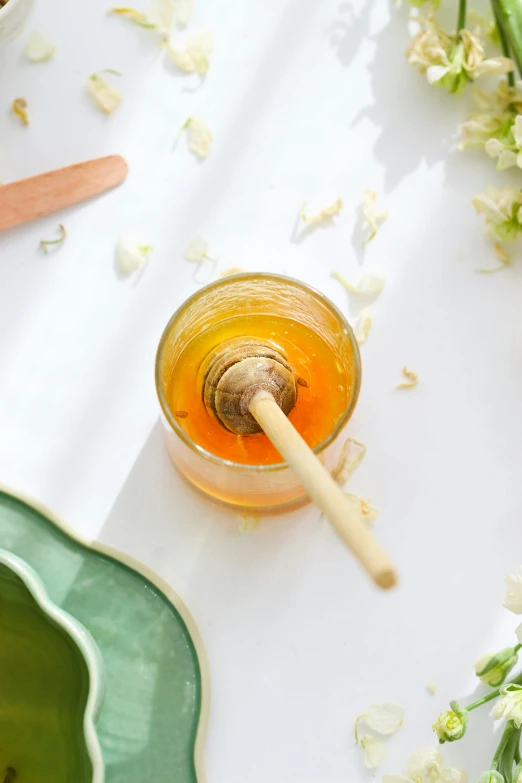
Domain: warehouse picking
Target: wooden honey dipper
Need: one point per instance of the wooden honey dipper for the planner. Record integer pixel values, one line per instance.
(250, 388)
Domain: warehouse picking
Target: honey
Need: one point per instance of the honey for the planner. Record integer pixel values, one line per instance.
(325, 386)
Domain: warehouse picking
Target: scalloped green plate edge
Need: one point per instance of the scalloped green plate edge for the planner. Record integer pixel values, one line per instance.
(163, 586)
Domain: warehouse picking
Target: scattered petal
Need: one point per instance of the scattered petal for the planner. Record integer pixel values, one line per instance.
(513, 600)
(38, 49)
(374, 751)
(385, 719)
(134, 16)
(502, 256)
(431, 687)
(199, 137)
(106, 98)
(363, 511)
(372, 219)
(194, 56)
(19, 107)
(412, 379)
(182, 11)
(232, 270)
(160, 14)
(47, 244)
(326, 214)
(348, 462)
(368, 285)
(131, 254)
(247, 522)
(197, 250)
(363, 325)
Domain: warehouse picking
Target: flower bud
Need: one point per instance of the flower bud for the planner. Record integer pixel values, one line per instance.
(492, 776)
(493, 669)
(451, 725)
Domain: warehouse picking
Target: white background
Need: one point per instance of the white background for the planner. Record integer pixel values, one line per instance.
(307, 101)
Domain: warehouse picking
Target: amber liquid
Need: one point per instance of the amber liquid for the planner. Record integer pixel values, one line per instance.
(325, 387)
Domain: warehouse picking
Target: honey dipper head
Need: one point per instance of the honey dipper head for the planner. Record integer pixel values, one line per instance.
(235, 371)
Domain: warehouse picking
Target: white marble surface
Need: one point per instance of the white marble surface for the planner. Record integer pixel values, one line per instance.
(307, 101)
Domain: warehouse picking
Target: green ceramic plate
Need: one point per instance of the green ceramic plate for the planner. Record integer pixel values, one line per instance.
(151, 726)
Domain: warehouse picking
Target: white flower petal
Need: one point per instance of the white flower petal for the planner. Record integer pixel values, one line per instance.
(107, 99)
(494, 147)
(517, 130)
(160, 14)
(363, 325)
(131, 254)
(38, 48)
(183, 11)
(421, 760)
(372, 218)
(349, 460)
(325, 214)
(197, 250)
(436, 72)
(506, 159)
(513, 600)
(374, 751)
(384, 718)
(194, 56)
(368, 285)
(364, 512)
(199, 137)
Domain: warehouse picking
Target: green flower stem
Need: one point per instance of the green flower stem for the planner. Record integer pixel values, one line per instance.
(493, 694)
(506, 763)
(461, 20)
(517, 753)
(508, 14)
(506, 736)
(517, 647)
(511, 82)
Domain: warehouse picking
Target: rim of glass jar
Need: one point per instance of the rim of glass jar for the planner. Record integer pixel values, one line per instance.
(272, 466)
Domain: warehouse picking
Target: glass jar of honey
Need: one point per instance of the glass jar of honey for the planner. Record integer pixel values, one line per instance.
(317, 343)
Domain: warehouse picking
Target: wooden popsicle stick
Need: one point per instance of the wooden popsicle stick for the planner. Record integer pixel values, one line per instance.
(322, 489)
(30, 198)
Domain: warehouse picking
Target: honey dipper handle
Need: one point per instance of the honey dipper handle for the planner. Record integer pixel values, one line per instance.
(322, 489)
(34, 197)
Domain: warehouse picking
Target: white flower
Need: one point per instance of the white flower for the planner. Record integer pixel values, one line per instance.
(385, 719)
(508, 154)
(197, 250)
(199, 137)
(348, 462)
(494, 117)
(107, 99)
(194, 56)
(38, 48)
(372, 218)
(451, 61)
(426, 766)
(509, 705)
(324, 215)
(131, 254)
(368, 285)
(363, 325)
(513, 600)
(362, 509)
(502, 210)
(374, 751)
